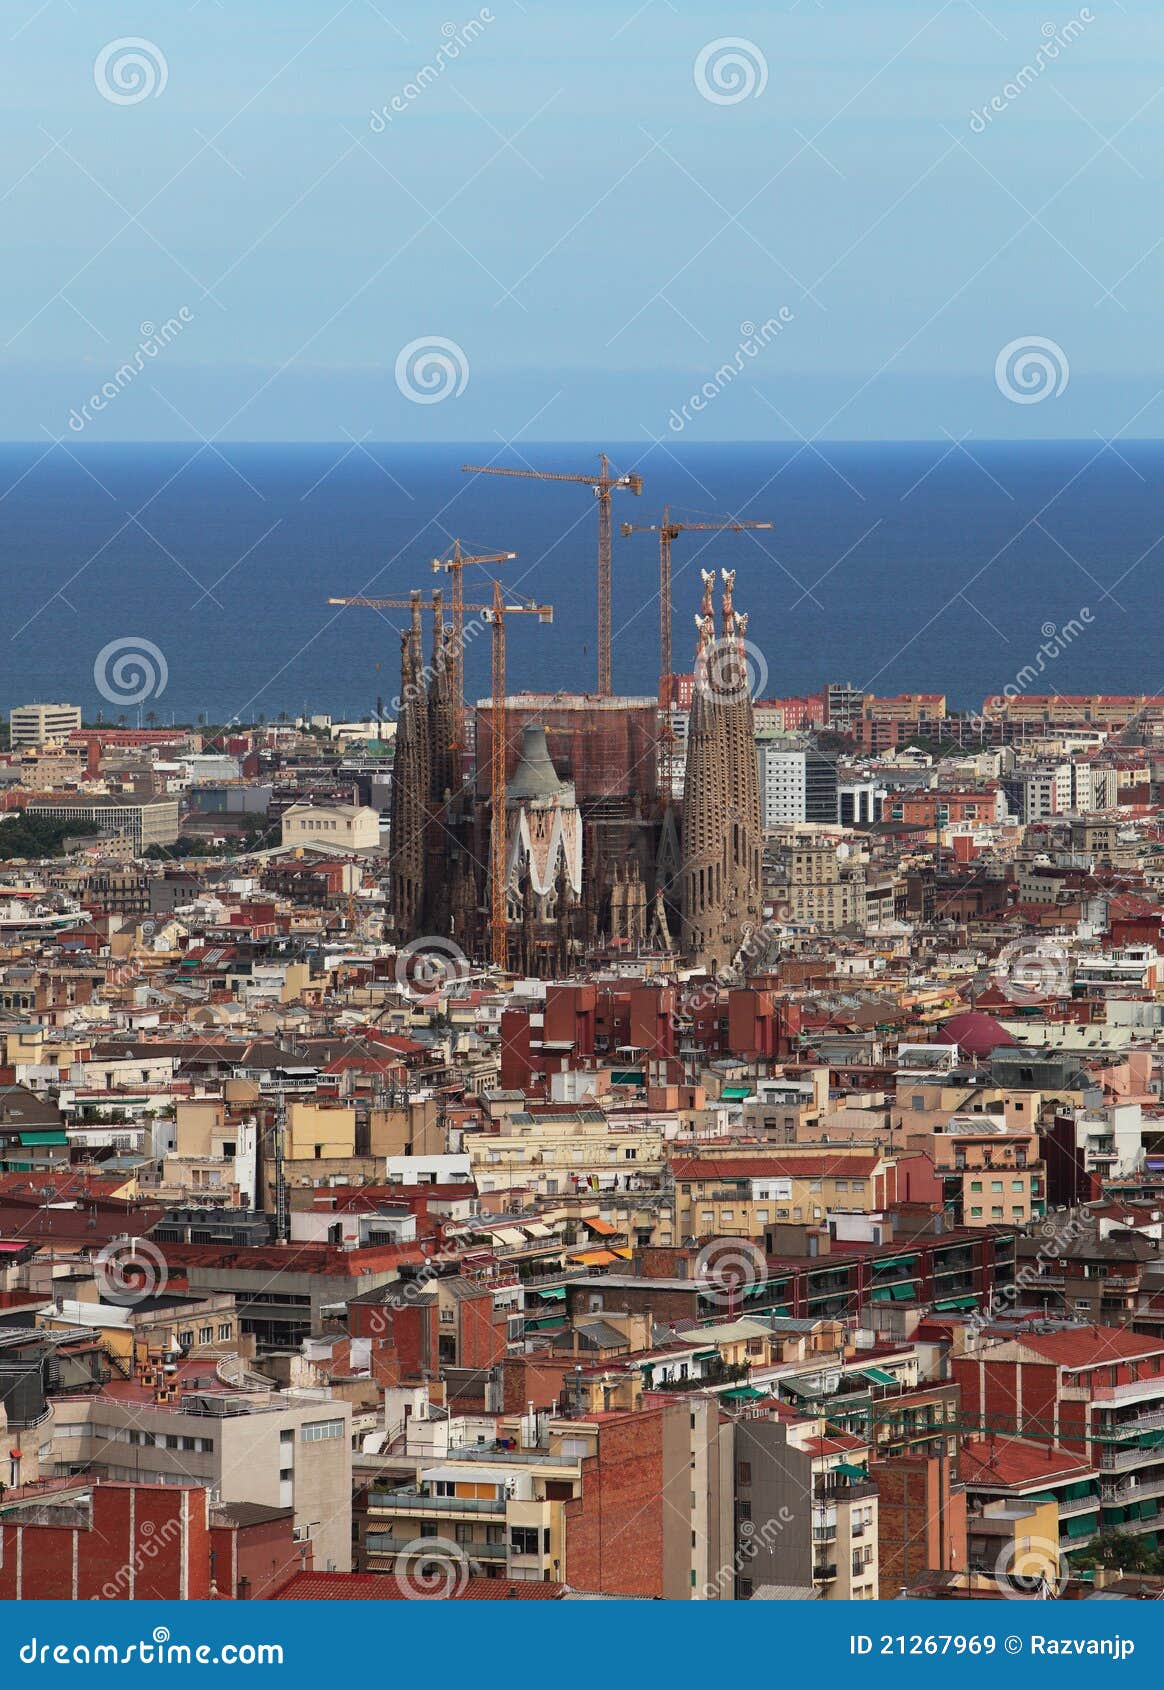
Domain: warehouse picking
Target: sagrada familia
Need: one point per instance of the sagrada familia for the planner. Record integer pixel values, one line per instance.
(579, 886)
(721, 835)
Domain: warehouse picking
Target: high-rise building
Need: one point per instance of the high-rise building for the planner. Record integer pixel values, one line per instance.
(36, 724)
(720, 876)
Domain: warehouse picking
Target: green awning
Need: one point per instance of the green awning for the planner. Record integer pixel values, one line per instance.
(705, 1355)
(949, 1304)
(546, 1323)
(744, 1393)
(1083, 1525)
(878, 1375)
(556, 1293)
(895, 1262)
(53, 1136)
(735, 1093)
(848, 1472)
(883, 1294)
(903, 1293)
(627, 1077)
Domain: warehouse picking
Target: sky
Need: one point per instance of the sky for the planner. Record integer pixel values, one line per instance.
(537, 220)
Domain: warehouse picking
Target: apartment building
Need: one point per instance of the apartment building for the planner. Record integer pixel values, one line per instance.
(991, 1176)
(1095, 1391)
(36, 724)
(283, 1450)
(554, 1155)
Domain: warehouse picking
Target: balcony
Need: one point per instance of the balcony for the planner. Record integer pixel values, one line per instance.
(826, 1574)
(413, 1502)
(386, 1544)
(1077, 1504)
(1118, 1496)
(1152, 1420)
(1120, 1460)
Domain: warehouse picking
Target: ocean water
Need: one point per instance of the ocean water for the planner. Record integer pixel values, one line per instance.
(899, 567)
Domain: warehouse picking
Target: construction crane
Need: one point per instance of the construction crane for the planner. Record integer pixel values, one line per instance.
(604, 485)
(495, 614)
(668, 532)
(455, 564)
(498, 919)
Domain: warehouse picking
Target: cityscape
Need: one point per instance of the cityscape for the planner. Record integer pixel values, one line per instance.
(581, 836)
(691, 1145)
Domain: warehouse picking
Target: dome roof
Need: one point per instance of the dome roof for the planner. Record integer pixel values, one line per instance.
(535, 776)
(976, 1034)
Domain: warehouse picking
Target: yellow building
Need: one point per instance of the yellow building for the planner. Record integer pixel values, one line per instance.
(318, 1132)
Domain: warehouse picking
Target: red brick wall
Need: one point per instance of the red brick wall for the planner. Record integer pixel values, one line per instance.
(921, 1520)
(263, 1554)
(141, 1540)
(614, 1530)
(535, 1379)
(482, 1336)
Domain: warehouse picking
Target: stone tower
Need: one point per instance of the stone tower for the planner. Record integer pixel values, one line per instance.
(721, 842)
(410, 786)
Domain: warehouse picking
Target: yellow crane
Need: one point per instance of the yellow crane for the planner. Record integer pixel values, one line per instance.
(668, 532)
(604, 484)
(495, 613)
(455, 563)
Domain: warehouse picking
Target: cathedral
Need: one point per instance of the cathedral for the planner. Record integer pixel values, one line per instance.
(721, 841)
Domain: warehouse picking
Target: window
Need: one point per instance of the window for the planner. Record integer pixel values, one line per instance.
(996, 1185)
(976, 1185)
(996, 1213)
(224, 1332)
(744, 1472)
(523, 1540)
(317, 1430)
(1017, 1185)
(976, 1213)
(206, 1334)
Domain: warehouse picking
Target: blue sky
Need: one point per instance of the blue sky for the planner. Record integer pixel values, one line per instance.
(565, 206)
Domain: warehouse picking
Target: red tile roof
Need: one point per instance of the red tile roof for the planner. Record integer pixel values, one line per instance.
(1090, 1346)
(1018, 1463)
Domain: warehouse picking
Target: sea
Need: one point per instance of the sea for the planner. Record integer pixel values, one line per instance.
(172, 582)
